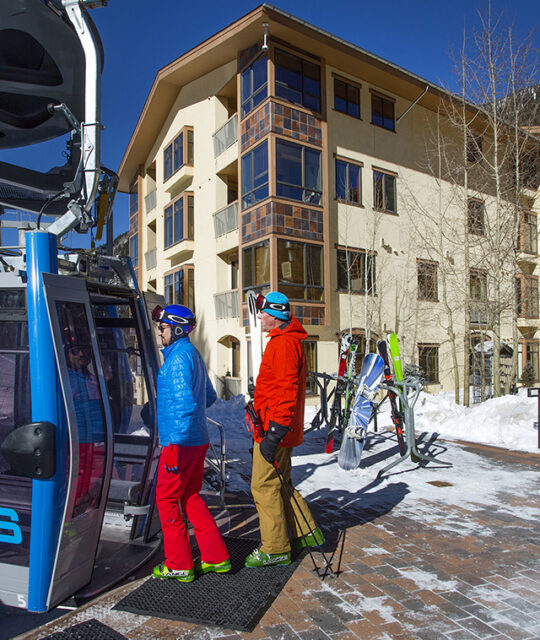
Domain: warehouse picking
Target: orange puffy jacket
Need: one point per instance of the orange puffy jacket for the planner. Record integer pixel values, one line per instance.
(280, 388)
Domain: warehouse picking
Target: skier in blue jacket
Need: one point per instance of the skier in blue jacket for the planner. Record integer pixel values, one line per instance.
(184, 391)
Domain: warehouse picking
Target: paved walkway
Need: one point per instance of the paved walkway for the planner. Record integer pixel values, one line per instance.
(468, 571)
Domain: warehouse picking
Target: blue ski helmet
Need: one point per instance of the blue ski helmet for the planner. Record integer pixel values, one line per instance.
(181, 319)
(275, 304)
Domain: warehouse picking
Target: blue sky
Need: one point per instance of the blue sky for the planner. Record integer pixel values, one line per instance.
(142, 36)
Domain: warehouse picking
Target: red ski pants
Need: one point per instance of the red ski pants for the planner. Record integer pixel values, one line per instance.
(183, 487)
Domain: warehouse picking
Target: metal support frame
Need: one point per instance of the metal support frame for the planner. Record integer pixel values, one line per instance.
(219, 463)
(408, 393)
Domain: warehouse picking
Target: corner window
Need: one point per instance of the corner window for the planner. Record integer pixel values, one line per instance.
(475, 216)
(356, 271)
(427, 281)
(178, 220)
(179, 287)
(298, 80)
(133, 202)
(254, 85)
(428, 361)
(384, 191)
(382, 112)
(298, 172)
(346, 98)
(255, 175)
(134, 249)
(256, 266)
(300, 270)
(178, 153)
(348, 181)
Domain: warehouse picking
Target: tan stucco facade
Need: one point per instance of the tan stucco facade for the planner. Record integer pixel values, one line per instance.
(201, 92)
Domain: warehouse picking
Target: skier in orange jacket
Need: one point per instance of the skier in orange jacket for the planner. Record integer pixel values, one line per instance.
(279, 403)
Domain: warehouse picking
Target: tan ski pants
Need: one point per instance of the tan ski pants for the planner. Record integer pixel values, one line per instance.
(274, 506)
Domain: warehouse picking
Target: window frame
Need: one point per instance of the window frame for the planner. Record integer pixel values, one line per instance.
(430, 269)
(348, 84)
(384, 100)
(285, 285)
(367, 260)
(478, 281)
(348, 163)
(251, 249)
(386, 175)
(245, 194)
(171, 151)
(186, 200)
(476, 208)
(134, 249)
(185, 273)
(253, 94)
(303, 93)
(425, 369)
(528, 232)
(302, 187)
(527, 296)
(474, 147)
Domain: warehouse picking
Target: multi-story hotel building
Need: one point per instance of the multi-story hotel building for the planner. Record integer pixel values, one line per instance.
(276, 156)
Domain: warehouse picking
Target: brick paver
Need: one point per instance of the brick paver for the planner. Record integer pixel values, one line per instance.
(404, 576)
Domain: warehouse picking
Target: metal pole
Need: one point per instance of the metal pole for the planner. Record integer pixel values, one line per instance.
(47, 499)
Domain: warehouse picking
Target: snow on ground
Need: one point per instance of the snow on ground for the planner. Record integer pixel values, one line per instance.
(471, 481)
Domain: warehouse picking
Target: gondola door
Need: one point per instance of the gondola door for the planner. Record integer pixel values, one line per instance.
(89, 449)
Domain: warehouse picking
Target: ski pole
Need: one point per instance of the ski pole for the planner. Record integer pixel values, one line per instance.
(290, 495)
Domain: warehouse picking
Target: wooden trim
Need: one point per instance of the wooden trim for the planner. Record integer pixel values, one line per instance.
(387, 171)
(353, 83)
(382, 95)
(358, 163)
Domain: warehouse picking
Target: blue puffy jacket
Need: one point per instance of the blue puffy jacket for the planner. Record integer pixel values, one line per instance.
(184, 391)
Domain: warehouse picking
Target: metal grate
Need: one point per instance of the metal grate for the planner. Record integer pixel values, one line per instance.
(89, 630)
(236, 600)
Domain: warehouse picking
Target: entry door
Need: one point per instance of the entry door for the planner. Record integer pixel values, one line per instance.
(89, 446)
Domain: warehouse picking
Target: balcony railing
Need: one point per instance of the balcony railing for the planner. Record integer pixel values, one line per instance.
(150, 259)
(150, 201)
(225, 136)
(226, 304)
(226, 219)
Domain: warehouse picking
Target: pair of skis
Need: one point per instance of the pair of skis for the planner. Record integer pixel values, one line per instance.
(374, 367)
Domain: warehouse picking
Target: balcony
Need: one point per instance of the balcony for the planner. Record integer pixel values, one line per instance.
(226, 219)
(180, 180)
(225, 136)
(150, 259)
(150, 201)
(226, 304)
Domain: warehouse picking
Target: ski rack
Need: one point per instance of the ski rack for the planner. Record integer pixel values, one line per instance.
(408, 392)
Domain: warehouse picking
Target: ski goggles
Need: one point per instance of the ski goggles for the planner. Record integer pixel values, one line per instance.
(160, 315)
(263, 304)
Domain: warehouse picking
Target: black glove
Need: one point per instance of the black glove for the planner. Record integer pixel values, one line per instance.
(269, 444)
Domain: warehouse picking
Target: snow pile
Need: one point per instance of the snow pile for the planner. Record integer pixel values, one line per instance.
(505, 422)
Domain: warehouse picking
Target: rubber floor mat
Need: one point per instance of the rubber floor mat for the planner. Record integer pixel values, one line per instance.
(235, 600)
(89, 630)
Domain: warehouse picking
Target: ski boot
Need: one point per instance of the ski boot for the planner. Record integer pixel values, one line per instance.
(315, 539)
(258, 558)
(202, 567)
(182, 575)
